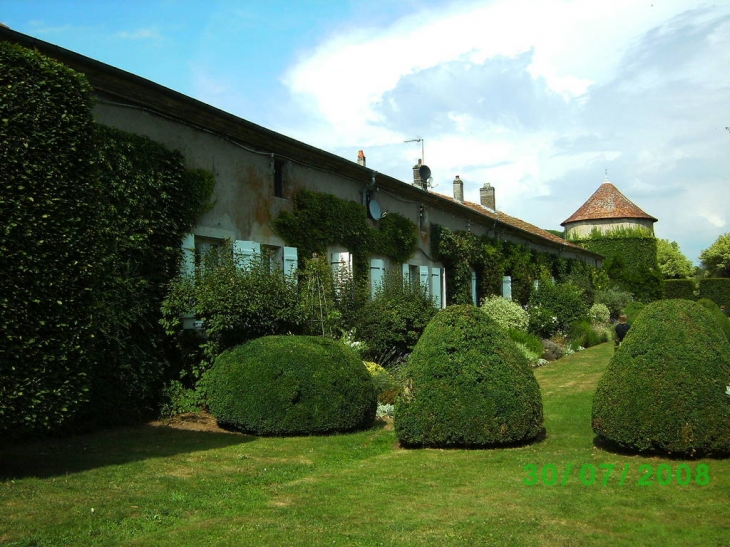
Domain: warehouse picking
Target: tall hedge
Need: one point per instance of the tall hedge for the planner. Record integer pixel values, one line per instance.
(92, 221)
(664, 389)
(50, 249)
(467, 384)
(679, 288)
(717, 290)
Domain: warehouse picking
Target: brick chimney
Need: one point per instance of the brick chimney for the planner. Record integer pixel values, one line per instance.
(417, 176)
(361, 158)
(486, 196)
(458, 189)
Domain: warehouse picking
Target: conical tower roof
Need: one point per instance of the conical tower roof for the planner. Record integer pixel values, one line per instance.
(606, 203)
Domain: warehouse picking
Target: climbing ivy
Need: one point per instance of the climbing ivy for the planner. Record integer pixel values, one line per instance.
(464, 252)
(321, 220)
(630, 260)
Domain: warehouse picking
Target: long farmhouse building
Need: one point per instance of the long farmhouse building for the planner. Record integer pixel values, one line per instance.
(258, 171)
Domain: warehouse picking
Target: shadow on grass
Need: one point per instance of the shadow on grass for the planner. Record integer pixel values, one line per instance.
(541, 437)
(614, 448)
(53, 457)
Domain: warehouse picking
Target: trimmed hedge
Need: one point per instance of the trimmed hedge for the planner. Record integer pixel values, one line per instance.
(467, 384)
(291, 385)
(717, 290)
(722, 320)
(678, 288)
(664, 389)
(49, 241)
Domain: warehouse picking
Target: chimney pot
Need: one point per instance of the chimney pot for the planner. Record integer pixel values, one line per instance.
(361, 158)
(458, 189)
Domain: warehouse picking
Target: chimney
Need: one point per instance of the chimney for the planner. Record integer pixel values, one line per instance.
(486, 196)
(361, 158)
(458, 189)
(417, 176)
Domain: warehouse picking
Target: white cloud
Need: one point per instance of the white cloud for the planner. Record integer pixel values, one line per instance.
(140, 34)
(537, 98)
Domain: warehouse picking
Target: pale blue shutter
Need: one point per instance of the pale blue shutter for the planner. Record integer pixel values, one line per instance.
(188, 250)
(474, 288)
(377, 272)
(290, 261)
(244, 253)
(423, 277)
(436, 287)
(507, 287)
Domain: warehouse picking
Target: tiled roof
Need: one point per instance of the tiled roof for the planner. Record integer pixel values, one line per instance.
(520, 225)
(607, 202)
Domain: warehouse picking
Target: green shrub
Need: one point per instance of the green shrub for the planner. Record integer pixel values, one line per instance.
(391, 322)
(614, 299)
(679, 288)
(664, 389)
(583, 334)
(717, 290)
(506, 313)
(632, 311)
(467, 384)
(291, 385)
(532, 342)
(722, 320)
(386, 386)
(554, 307)
(236, 300)
(599, 314)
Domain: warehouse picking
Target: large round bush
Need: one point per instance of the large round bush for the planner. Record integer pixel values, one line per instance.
(291, 385)
(664, 389)
(467, 384)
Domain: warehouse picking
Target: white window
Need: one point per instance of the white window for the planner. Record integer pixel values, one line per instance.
(341, 263)
(245, 252)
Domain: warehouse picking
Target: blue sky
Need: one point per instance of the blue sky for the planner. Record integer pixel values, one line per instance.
(536, 98)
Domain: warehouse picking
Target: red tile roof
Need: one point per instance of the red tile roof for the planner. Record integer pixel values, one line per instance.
(514, 222)
(607, 202)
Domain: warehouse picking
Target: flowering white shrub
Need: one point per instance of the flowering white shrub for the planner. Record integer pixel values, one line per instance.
(599, 314)
(506, 313)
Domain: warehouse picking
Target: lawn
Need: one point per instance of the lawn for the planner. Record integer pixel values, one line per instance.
(162, 485)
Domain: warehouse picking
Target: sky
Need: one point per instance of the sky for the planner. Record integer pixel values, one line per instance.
(543, 100)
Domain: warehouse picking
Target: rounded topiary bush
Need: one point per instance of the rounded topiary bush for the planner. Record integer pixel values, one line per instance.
(291, 385)
(467, 384)
(720, 318)
(664, 389)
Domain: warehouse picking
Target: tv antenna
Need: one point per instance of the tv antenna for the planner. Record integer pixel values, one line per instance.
(418, 139)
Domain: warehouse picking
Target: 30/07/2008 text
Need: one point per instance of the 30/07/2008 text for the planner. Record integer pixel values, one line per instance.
(588, 475)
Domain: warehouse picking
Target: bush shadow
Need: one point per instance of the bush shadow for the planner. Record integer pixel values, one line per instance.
(62, 456)
(609, 446)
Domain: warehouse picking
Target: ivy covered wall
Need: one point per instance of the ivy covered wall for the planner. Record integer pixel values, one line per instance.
(320, 220)
(630, 260)
(464, 252)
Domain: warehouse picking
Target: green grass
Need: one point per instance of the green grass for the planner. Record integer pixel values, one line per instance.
(159, 486)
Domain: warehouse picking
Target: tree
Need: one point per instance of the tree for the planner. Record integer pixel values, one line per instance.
(716, 258)
(672, 263)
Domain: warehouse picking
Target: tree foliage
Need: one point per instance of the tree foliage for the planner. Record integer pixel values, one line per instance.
(716, 258)
(672, 263)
